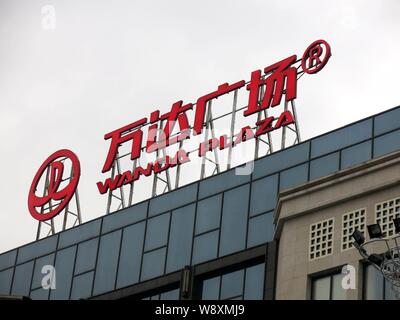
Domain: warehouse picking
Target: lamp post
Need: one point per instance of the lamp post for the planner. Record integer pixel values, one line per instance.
(388, 262)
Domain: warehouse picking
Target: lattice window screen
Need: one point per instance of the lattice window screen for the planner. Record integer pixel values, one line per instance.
(350, 222)
(385, 212)
(321, 239)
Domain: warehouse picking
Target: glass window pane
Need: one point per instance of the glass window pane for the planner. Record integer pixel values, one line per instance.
(341, 138)
(324, 166)
(22, 279)
(180, 239)
(7, 259)
(356, 155)
(234, 220)
(125, 217)
(5, 281)
(86, 256)
(107, 262)
(153, 264)
(211, 289)
(37, 274)
(321, 288)
(390, 294)
(221, 182)
(37, 249)
(39, 294)
(208, 214)
(261, 229)
(170, 295)
(374, 284)
(254, 282)
(293, 177)
(387, 121)
(232, 284)
(338, 293)
(80, 233)
(205, 247)
(64, 271)
(263, 194)
(157, 232)
(387, 143)
(82, 286)
(281, 160)
(131, 255)
(172, 200)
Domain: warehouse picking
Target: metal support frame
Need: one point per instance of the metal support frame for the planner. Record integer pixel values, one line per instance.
(118, 193)
(260, 115)
(293, 128)
(232, 131)
(158, 177)
(210, 162)
(72, 212)
(132, 185)
(209, 129)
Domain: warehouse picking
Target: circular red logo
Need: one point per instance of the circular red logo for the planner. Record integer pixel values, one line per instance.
(316, 56)
(53, 168)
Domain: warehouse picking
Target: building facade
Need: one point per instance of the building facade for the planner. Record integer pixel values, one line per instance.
(232, 236)
(314, 227)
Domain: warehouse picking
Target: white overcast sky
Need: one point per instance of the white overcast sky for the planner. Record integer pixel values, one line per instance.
(109, 63)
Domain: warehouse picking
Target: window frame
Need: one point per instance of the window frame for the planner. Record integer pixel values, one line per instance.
(365, 265)
(244, 265)
(323, 274)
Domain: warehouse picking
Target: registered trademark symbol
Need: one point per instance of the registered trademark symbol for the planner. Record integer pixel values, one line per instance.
(316, 56)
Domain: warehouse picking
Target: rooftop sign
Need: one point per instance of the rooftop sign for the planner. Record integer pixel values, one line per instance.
(265, 91)
(158, 143)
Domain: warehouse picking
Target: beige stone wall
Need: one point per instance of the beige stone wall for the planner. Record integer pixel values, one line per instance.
(359, 187)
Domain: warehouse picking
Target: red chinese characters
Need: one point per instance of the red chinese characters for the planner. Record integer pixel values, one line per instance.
(161, 127)
(267, 90)
(129, 132)
(201, 103)
(282, 75)
(177, 114)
